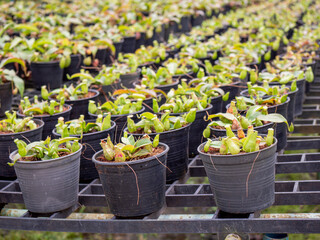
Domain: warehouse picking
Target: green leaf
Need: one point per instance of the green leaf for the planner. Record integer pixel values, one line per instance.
(142, 142)
(148, 115)
(228, 116)
(140, 153)
(129, 148)
(273, 117)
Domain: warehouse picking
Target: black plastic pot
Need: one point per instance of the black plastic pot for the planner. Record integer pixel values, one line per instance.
(120, 185)
(91, 145)
(140, 40)
(239, 186)
(101, 55)
(50, 121)
(188, 76)
(216, 133)
(128, 79)
(233, 90)
(49, 186)
(129, 44)
(106, 90)
(118, 47)
(299, 98)
(178, 142)
(147, 103)
(74, 67)
(196, 129)
(80, 106)
(216, 103)
(5, 97)
(7, 145)
(185, 24)
(197, 20)
(46, 73)
(281, 128)
(121, 121)
(291, 106)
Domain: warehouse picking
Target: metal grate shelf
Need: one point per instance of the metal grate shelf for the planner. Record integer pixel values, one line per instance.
(180, 194)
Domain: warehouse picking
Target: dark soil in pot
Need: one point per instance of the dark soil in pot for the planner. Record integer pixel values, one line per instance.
(5, 97)
(129, 44)
(91, 145)
(49, 186)
(7, 146)
(121, 181)
(80, 106)
(178, 142)
(74, 67)
(46, 73)
(237, 188)
(121, 122)
(50, 121)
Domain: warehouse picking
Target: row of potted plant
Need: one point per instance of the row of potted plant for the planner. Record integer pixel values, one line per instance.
(175, 118)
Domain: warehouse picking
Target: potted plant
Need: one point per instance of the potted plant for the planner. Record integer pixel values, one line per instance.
(48, 173)
(133, 175)
(180, 105)
(46, 111)
(106, 82)
(140, 93)
(223, 80)
(173, 131)
(77, 96)
(89, 132)
(7, 79)
(47, 65)
(183, 68)
(256, 116)
(129, 38)
(266, 90)
(12, 128)
(120, 109)
(161, 79)
(287, 77)
(241, 170)
(128, 73)
(276, 104)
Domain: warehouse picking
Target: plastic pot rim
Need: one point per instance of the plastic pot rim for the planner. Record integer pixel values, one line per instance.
(88, 134)
(26, 163)
(200, 147)
(165, 151)
(38, 121)
(46, 116)
(120, 115)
